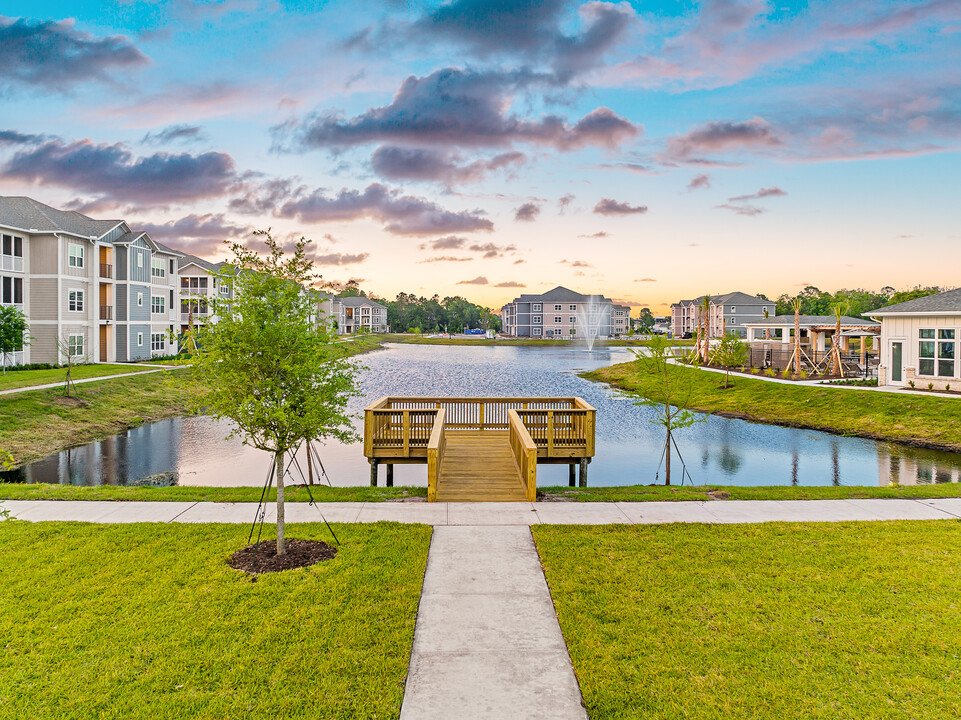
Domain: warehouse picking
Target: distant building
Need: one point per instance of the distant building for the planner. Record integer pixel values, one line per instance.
(198, 285)
(729, 313)
(350, 315)
(91, 289)
(563, 313)
(919, 341)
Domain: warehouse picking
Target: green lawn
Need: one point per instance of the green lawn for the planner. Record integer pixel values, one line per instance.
(912, 418)
(779, 621)
(148, 621)
(26, 378)
(523, 342)
(656, 493)
(321, 493)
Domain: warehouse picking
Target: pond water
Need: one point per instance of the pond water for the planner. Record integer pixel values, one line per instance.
(720, 451)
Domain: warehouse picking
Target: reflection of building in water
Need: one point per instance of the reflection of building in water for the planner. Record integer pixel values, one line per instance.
(910, 466)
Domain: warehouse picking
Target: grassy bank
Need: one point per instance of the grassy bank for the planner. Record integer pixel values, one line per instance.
(522, 342)
(821, 620)
(35, 423)
(148, 621)
(913, 419)
(27, 378)
(321, 493)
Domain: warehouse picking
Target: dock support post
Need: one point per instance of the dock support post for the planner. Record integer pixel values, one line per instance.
(570, 474)
(390, 474)
(583, 477)
(373, 473)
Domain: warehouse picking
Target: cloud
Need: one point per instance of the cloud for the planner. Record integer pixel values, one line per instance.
(510, 284)
(527, 212)
(564, 202)
(449, 242)
(406, 163)
(196, 101)
(479, 280)
(762, 193)
(445, 258)
(575, 263)
(699, 182)
(645, 280)
(340, 258)
(265, 197)
(723, 136)
(113, 172)
(628, 303)
(175, 134)
(607, 206)
(54, 55)
(520, 262)
(749, 210)
(401, 214)
(13, 137)
(460, 108)
(630, 167)
(492, 250)
(195, 234)
(598, 234)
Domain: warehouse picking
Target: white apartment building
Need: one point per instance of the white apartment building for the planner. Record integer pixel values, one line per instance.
(350, 315)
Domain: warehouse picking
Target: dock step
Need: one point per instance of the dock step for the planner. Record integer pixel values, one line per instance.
(478, 466)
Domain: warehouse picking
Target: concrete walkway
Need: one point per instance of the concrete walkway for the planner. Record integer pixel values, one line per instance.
(82, 381)
(487, 643)
(519, 513)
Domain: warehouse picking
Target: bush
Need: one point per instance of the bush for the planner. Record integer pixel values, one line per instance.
(40, 366)
(770, 372)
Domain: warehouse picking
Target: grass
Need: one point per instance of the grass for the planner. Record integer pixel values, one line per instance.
(148, 621)
(917, 420)
(321, 493)
(676, 493)
(778, 620)
(522, 342)
(26, 378)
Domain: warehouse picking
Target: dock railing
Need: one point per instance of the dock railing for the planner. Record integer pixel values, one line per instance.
(436, 446)
(525, 454)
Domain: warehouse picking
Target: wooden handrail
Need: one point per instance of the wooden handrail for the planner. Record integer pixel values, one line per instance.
(525, 454)
(435, 453)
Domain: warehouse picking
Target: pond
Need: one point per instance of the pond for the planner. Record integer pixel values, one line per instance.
(721, 451)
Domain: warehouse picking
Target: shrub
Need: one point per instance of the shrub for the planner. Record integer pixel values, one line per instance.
(930, 386)
(911, 383)
(770, 372)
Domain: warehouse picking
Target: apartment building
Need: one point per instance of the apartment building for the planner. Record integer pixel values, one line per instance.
(354, 314)
(91, 289)
(198, 285)
(728, 314)
(563, 313)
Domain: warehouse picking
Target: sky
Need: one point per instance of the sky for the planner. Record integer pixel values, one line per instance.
(647, 151)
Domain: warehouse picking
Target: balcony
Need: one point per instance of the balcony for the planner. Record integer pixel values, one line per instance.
(106, 271)
(106, 312)
(11, 262)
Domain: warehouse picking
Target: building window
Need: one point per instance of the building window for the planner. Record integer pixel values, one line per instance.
(537, 319)
(558, 319)
(158, 341)
(140, 339)
(12, 291)
(224, 289)
(139, 299)
(536, 307)
(572, 308)
(573, 319)
(536, 331)
(75, 255)
(172, 269)
(926, 348)
(75, 300)
(733, 309)
(945, 353)
(158, 268)
(75, 345)
(12, 250)
(557, 307)
(157, 304)
(139, 259)
(194, 284)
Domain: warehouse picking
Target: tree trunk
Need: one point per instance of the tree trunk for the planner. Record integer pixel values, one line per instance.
(667, 456)
(281, 540)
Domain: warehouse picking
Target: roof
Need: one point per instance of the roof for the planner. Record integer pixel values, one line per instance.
(559, 294)
(357, 301)
(186, 260)
(942, 303)
(736, 297)
(811, 321)
(165, 249)
(33, 216)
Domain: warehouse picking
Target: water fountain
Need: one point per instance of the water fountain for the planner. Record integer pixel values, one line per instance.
(592, 316)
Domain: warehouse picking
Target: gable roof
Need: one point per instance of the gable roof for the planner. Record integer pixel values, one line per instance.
(946, 303)
(560, 294)
(186, 260)
(357, 301)
(31, 215)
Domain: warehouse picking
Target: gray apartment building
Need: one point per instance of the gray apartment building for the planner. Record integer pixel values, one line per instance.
(91, 289)
(728, 314)
(563, 313)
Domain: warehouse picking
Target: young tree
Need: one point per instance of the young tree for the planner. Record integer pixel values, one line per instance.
(267, 363)
(731, 352)
(839, 310)
(13, 332)
(673, 387)
(69, 351)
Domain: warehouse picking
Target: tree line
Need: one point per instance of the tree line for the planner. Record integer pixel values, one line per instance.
(857, 302)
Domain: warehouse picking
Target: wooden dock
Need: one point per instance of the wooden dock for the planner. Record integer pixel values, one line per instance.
(479, 449)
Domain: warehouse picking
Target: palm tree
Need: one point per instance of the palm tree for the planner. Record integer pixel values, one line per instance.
(706, 314)
(796, 355)
(836, 369)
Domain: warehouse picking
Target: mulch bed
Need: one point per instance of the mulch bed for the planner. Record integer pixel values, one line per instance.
(262, 557)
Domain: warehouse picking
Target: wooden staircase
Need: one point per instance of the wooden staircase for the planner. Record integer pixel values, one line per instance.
(478, 466)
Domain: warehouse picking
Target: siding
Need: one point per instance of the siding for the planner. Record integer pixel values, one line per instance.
(43, 344)
(120, 261)
(43, 300)
(137, 273)
(139, 313)
(120, 304)
(89, 258)
(907, 329)
(121, 333)
(141, 352)
(43, 254)
(115, 233)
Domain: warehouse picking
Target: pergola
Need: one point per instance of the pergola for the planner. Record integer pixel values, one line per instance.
(777, 333)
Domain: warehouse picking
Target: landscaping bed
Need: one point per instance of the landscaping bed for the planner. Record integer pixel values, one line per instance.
(778, 620)
(149, 621)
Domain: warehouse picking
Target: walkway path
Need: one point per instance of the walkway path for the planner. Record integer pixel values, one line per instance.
(81, 381)
(510, 513)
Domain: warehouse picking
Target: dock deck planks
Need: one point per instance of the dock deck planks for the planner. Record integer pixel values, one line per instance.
(478, 466)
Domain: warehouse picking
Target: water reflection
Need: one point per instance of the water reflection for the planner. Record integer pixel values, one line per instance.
(720, 451)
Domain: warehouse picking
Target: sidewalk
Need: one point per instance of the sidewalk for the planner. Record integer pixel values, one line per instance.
(59, 383)
(519, 513)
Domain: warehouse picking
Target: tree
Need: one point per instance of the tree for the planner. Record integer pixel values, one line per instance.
(13, 332)
(645, 319)
(730, 352)
(68, 349)
(796, 354)
(839, 310)
(706, 338)
(268, 365)
(673, 387)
